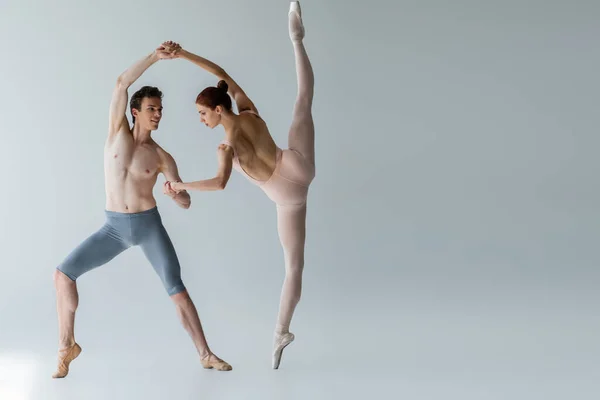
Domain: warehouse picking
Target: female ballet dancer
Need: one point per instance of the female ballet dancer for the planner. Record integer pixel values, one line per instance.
(284, 175)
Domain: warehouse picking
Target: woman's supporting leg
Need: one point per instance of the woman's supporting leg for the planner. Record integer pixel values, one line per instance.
(291, 225)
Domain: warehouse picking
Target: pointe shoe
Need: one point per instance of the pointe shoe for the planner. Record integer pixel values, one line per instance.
(212, 361)
(296, 27)
(69, 355)
(281, 341)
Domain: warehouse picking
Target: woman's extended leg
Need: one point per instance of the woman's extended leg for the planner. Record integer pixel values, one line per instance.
(302, 131)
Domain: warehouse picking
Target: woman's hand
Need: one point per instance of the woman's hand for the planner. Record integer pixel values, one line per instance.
(177, 186)
(171, 189)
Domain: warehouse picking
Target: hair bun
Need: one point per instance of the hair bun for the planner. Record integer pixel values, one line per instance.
(223, 85)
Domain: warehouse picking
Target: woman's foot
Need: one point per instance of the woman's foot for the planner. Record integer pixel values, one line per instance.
(65, 356)
(296, 27)
(280, 342)
(211, 361)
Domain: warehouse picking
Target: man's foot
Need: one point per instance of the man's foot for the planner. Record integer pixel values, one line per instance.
(65, 356)
(296, 27)
(211, 361)
(280, 342)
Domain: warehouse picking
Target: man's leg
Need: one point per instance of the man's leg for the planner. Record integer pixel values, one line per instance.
(159, 250)
(67, 300)
(96, 250)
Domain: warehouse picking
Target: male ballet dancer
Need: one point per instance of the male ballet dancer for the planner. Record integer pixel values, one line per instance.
(132, 162)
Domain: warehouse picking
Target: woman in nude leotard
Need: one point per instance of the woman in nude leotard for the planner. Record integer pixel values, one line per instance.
(284, 175)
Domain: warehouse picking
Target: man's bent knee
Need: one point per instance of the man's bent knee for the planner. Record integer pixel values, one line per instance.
(173, 286)
(60, 277)
(180, 297)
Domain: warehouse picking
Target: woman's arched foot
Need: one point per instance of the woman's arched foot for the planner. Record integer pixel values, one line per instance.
(65, 356)
(211, 361)
(280, 343)
(296, 27)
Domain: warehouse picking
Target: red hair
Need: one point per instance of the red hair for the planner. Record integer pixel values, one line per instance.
(212, 97)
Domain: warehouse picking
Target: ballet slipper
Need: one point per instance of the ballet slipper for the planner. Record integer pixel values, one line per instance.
(211, 361)
(68, 355)
(296, 28)
(280, 343)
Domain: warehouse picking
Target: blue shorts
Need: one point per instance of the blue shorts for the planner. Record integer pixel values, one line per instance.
(120, 232)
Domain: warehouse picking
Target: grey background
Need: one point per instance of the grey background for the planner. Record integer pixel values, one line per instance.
(451, 230)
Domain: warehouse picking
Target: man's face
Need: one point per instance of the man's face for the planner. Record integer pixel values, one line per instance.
(149, 114)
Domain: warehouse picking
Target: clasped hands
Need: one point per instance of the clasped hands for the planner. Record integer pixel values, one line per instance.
(172, 188)
(168, 50)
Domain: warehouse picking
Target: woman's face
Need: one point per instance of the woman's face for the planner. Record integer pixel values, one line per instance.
(208, 117)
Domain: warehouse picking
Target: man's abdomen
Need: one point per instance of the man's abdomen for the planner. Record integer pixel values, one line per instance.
(130, 195)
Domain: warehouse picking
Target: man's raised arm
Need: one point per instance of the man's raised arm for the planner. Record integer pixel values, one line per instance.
(118, 104)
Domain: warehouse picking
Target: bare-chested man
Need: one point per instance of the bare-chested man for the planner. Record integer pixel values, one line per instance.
(132, 162)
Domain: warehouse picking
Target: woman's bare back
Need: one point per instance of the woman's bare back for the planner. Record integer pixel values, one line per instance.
(254, 147)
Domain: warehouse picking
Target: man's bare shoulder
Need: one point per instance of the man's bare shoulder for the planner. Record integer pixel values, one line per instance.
(166, 159)
(162, 153)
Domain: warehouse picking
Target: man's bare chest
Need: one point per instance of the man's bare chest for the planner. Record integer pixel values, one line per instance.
(137, 160)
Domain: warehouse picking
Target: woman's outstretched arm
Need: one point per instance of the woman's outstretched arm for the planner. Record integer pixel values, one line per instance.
(219, 182)
(242, 101)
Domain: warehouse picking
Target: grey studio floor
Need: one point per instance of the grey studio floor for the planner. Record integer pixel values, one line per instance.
(452, 231)
(501, 340)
